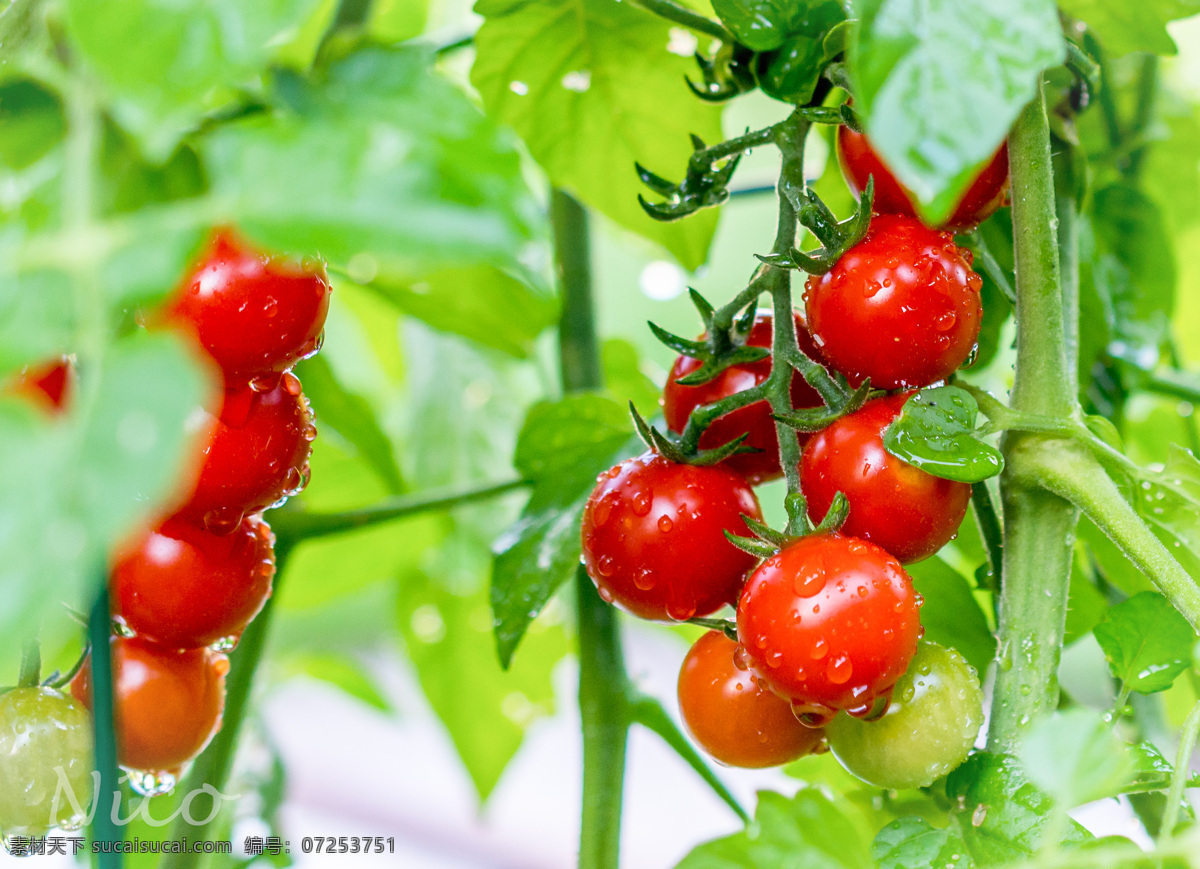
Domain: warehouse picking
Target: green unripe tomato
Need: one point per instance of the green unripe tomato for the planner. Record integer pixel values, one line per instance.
(41, 732)
(927, 731)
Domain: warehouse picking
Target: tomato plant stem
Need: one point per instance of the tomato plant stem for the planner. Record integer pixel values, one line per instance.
(1039, 527)
(603, 685)
(1182, 772)
(689, 19)
(104, 828)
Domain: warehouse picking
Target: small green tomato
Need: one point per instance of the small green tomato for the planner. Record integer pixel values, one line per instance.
(42, 732)
(928, 730)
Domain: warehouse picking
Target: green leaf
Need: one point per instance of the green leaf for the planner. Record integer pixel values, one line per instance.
(806, 831)
(74, 487)
(1075, 757)
(939, 82)
(1086, 606)
(37, 318)
(625, 377)
(342, 672)
(485, 709)
(1169, 502)
(1147, 642)
(351, 416)
(934, 432)
(162, 60)
(31, 122)
(562, 446)
(1123, 27)
(591, 88)
(1003, 815)
(912, 843)
(485, 304)
(397, 20)
(951, 615)
(766, 24)
(1151, 771)
(383, 167)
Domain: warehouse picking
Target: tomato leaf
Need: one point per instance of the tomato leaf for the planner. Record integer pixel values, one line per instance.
(344, 673)
(1003, 815)
(1169, 502)
(939, 82)
(613, 95)
(766, 24)
(951, 615)
(1151, 771)
(912, 843)
(1147, 642)
(934, 432)
(808, 830)
(1123, 27)
(1076, 758)
(562, 446)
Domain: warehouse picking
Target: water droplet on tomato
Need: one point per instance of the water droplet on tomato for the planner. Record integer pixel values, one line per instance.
(819, 649)
(605, 565)
(741, 658)
(290, 383)
(644, 579)
(151, 784)
(222, 520)
(839, 669)
(665, 524)
(641, 503)
(680, 611)
(945, 321)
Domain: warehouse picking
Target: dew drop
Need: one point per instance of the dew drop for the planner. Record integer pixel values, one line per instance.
(605, 565)
(151, 784)
(819, 650)
(290, 383)
(641, 503)
(222, 520)
(665, 524)
(839, 669)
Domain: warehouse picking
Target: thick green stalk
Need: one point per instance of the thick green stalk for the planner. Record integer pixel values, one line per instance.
(104, 829)
(1183, 762)
(603, 685)
(1039, 527)
(690, 19)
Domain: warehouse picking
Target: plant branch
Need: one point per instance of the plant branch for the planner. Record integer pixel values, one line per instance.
(686, 17)
(1180, 775)
(649, 713)
(104, 827)
(990, 530)
(298, 524)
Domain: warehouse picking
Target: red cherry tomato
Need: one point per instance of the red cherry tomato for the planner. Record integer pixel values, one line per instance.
(829, 623)
(255, 314)
(654, 537)
(184, 587)
(733, 716)
(50, 384)
(256, 455)
(893, 504)
(679, 401)
(168, 704)
(901, 306)
(859, 161)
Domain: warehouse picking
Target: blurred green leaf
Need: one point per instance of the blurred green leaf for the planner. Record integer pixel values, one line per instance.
(485, 304)
(342, 672)
(1075, 757)
(397, 20)
(31, 122)
(935, 432)
(562, 446)
(1169, 502)
(911, 843)
(1151, 771)
(1086, 606)
(37, 318)
(382, 166)
(1122, 27)
(951, 615)
(161, 60)
(1169, 175)
(612, 96)
(808, 830)
(1147, 642)
(939, 83)
(624, 377)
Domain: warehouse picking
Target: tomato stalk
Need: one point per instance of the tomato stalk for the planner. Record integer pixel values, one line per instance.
(688, 18)
(1179, 777)
(104, 827)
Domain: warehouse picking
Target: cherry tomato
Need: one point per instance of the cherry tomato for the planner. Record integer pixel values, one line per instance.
(829, 623)
(927, 731)
(50, 384)
(42, 734)
(733, 716)
(860, 161)
(256, 455)
(679, 401)
(654, 537)
(255, 314)
(184, 587)
(908, 512)
(168, 703)
(901, 306)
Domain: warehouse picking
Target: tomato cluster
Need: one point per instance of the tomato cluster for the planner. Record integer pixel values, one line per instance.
(184, 589)
(829, 623)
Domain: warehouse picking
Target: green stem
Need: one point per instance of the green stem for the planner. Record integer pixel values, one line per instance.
(1183, 762)
(689, 19)
(603, 690)
(1068, 264)
(104, 829)
(649, 713)
(987, 260)
(1147, 96)
(990, 530)
(299, 524)
(1175, 384)
(1039, 526)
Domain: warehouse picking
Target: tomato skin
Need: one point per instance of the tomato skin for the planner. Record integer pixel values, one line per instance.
(732, 716)
(927, 731)
(829, 623)
(183, 587)
(256, 454)
(679, 401)
(168, 703)
(42, 730)
(653, 537)
(906, 511)
(901, 307)
(859, 161)
(49, 384)
(254, 314)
